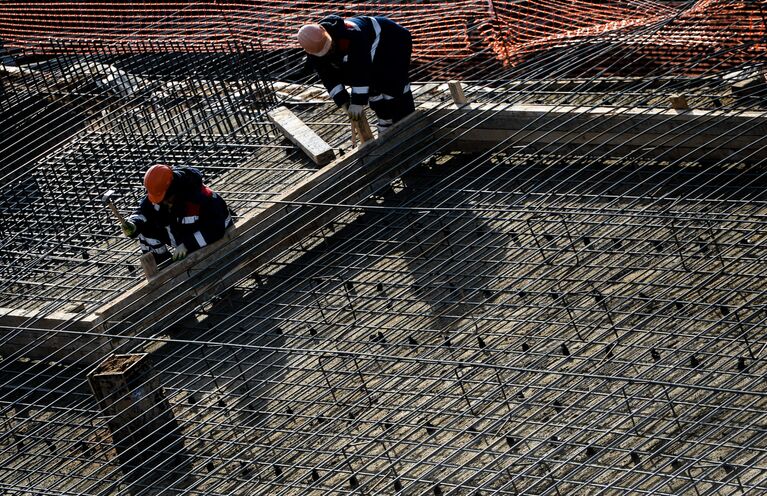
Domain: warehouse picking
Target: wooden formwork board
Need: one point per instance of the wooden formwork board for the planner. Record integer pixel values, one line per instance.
(706, 136)
(302, 135)
(55, 336)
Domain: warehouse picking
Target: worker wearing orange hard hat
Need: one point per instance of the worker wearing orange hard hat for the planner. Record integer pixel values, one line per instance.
(178, 211)
(370, 56)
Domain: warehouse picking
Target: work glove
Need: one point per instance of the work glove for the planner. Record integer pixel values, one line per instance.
(356, 111)
(129, 228)
(180, 253)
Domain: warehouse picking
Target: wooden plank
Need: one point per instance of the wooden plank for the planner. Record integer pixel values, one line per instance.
(258, 238)
(456, 91)
(299, 133)
(678, 102)
(56, 336)
(660, 134)
(148, 265)
(362, 129)
(754, 86)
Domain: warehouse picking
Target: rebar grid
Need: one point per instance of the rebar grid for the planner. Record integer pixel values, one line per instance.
(507, 322)
(184, 122)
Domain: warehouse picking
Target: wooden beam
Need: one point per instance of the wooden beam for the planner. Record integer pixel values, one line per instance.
(678, 102)
(259, 237)
(562, 85)
(361, 129)
(148, 265)
(755, 86)
(55, 336)
(299, 133)
(706, 136)
(456, 91)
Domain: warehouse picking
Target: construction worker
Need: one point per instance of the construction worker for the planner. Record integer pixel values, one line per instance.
(178, 211)
(371, 55)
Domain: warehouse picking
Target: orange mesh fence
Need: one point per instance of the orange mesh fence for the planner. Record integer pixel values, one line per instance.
(40, 26)
(695, 37)
(525, 28)
(445, 33)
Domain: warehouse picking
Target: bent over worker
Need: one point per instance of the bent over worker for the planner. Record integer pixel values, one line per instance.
(178, 211)
(370, 55)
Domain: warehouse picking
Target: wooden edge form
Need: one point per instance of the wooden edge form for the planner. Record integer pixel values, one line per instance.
(705, 136)
(55, 336)
(302, 135)
(503, 108)
(733, 128)
(18, 317)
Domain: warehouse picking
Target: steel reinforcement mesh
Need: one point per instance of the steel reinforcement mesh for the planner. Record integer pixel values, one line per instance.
(513, 325)
(76, 127)
(504, 322)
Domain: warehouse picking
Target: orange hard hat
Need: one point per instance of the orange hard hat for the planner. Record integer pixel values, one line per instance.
(314, 39)
(157, 181)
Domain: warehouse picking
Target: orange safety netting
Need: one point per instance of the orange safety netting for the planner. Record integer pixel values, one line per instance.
(693, 36)
(445, 33)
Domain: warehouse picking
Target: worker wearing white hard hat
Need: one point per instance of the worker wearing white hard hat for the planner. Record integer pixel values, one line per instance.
(368, 55)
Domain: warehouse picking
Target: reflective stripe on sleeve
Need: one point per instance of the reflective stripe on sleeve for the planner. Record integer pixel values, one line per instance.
(150, 241)
(170, 237)
(152, 245)
(374, 46)
(137, 217)
(190, 219)
(200, 239)
(338, 89)
(360, 90)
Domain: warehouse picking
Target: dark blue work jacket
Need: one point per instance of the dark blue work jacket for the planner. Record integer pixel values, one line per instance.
(365, 49)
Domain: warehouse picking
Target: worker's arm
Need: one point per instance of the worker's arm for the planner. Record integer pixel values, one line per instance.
(331, 79)
(363, 39)
(135, 222)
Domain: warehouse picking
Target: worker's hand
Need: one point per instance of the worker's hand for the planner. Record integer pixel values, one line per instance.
(356, 111)
(129, 228)
(180, 252)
